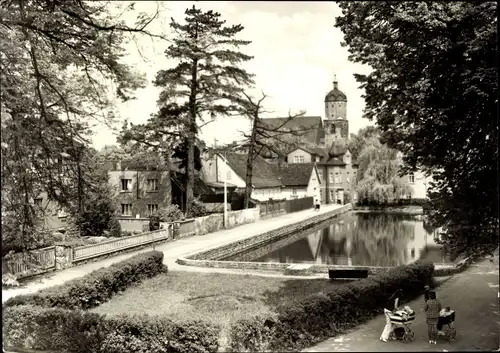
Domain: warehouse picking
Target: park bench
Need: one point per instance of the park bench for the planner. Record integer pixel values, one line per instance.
(351, 273)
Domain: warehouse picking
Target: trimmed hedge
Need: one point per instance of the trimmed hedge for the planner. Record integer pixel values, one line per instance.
(62, 330)
(320, 316)
(96, 287)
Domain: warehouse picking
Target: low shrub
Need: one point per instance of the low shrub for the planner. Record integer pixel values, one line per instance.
(35, 327)
(197, 209)
(96, 287)
(301, 324)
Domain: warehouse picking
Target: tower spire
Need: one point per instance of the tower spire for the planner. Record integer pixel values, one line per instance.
(335, 83)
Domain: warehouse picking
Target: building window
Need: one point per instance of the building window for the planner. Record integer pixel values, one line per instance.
(126, 209)
(337, 178)
(320, 175)
(294, 191)
(228, 175)
(152, 184)
(126, 184)
(347, 178)
(318, 158)
(152, 208)
(331, 177)
(332, 195)
(298, 159)
(411, 178)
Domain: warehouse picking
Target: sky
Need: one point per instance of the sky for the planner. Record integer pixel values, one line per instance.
(296, 49)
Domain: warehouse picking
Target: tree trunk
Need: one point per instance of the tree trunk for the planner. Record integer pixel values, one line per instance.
(250, 158)
(191, 136)
(168, 172)
(190, 173)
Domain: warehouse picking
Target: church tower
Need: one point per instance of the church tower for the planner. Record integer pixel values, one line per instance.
(336, 124)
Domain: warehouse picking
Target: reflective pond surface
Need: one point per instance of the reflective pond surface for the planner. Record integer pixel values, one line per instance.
(355, 238)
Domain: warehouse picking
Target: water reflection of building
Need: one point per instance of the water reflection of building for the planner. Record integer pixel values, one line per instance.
(370, 240)
(364, 240)
(423, 245)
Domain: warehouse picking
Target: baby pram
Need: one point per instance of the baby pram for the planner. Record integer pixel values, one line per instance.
(402, 320)
(446, 326)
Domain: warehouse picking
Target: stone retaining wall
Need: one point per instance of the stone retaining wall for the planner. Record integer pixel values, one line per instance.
(214, 256)
(220, 252)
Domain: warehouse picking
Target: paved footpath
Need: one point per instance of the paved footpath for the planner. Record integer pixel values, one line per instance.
(173, 250)
(473, 294)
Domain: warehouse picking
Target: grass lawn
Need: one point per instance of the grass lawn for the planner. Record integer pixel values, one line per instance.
(216, 297)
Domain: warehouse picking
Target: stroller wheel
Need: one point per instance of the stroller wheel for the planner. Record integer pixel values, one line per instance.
(452, 334)
(408, 336)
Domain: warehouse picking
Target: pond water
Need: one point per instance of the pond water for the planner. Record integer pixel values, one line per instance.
(354, 238)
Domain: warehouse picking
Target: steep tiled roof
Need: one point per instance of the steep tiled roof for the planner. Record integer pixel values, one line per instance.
(335, 95)
(337, 150)
(310, 126)
(331, 161)
(296, 174)
(264, 174)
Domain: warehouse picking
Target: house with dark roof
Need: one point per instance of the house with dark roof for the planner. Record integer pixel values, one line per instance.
(300, 180)
(266, 179)
(269, 180)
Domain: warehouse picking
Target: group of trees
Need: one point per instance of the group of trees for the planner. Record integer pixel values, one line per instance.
(433, 94)
(58, 61)
(208, 81)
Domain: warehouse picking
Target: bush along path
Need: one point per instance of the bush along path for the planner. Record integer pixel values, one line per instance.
(473, 294)
(54, 320)
(301, 324)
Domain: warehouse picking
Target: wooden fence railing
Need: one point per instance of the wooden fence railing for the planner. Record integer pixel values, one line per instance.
(272, 207)
(107, 247)
(297, 205)
(43, 260)
(30, 263)
(288, 206)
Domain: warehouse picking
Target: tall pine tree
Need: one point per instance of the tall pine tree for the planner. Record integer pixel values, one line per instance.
(206, 81)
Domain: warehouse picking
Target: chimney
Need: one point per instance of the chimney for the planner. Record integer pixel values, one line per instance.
(335, 83)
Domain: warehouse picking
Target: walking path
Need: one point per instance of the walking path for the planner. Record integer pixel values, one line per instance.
(473, 294)
(173, 250)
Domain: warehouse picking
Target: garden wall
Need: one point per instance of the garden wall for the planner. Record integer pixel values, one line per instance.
(215, 222)
(134, 224)
(60, 257)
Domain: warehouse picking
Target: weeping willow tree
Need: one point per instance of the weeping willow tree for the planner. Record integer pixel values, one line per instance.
(379, 176)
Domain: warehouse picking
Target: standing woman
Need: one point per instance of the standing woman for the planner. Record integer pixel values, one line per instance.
(391, 305)
(432, 309)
